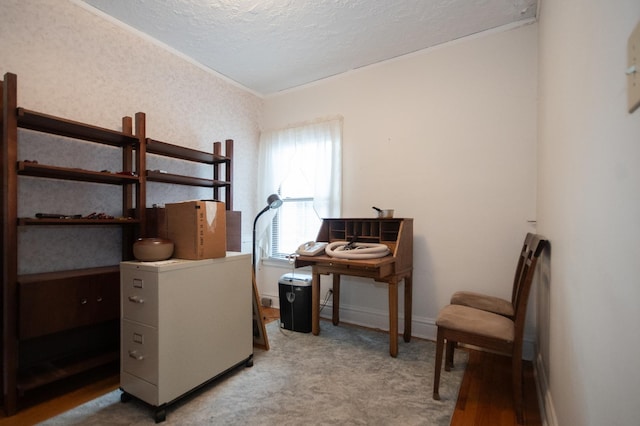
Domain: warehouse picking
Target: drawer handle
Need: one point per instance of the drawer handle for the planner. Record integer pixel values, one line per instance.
(136, 299)
(99, 299)
(134, 355)
(83, 301)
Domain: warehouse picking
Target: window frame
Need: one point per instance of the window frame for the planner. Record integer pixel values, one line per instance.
(275, 252)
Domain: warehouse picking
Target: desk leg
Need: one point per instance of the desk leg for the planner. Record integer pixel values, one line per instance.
(315, 303)
(336, 299)
(393, 317)
(408, 298)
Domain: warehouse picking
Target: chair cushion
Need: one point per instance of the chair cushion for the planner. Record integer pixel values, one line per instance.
(483, 302)
(476, 321)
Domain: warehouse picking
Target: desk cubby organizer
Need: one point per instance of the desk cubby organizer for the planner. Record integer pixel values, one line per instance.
(381, 231)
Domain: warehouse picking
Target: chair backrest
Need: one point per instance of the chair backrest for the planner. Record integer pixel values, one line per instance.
(517, 279)
(536, 247)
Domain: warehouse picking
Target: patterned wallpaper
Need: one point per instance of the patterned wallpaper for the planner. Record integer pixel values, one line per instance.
(77, 65)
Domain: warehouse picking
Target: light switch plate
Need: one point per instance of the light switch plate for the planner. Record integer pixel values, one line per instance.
(633, 69)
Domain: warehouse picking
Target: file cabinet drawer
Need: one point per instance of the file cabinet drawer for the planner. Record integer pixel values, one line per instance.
(140, 296)
(140, 351)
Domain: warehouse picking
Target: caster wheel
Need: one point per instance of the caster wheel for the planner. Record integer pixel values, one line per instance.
(160, 415)
(249, 362)
(125, 397)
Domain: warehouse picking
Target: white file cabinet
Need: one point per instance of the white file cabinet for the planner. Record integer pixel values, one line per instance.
(183, 323)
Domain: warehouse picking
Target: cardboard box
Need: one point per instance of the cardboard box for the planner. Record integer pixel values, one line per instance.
(157, 226)
(198, 229)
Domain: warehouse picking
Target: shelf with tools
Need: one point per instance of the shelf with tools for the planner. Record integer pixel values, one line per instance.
(27, 168)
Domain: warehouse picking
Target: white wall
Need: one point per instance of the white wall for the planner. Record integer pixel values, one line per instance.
(75, 64)
(589, 208)
(446, 136)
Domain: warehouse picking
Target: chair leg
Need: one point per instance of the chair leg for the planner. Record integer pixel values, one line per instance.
(438, 366)
(448, 362)
(516, 362)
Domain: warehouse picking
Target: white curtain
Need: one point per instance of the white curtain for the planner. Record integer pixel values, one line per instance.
(315, 147)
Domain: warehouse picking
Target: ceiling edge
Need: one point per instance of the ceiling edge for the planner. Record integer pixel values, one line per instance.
(138, 33)
(162, 45)
(484, 33)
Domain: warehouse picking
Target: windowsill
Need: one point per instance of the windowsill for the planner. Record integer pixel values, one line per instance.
(274, 261)
(282, 264)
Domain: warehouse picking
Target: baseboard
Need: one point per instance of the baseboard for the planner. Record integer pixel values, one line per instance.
(547, 411)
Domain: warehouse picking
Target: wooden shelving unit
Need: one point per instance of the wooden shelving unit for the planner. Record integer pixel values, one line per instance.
(59, 324)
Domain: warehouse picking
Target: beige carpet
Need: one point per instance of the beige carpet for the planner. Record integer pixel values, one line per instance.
(344, 376)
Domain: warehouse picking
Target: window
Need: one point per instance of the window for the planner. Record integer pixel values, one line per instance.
(303, 165)
(296, 221)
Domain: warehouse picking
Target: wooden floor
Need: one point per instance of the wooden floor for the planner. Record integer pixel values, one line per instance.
(484, 398)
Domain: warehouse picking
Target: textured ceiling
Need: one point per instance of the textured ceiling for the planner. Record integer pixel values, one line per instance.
(271, 45)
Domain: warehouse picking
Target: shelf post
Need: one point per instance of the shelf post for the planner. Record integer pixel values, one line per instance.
(9, 182)
(141, 169)
(228, 152)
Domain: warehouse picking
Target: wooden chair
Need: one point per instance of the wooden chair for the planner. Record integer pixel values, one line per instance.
(488, 330)
(496, 304)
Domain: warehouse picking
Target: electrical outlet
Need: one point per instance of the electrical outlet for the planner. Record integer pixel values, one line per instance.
(633, 69)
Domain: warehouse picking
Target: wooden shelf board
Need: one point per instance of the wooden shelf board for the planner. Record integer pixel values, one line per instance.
(183, 153)
(31, 221)
(45, 276)
(60, 126)
(59, 369)
(155, 176)
(65, 173)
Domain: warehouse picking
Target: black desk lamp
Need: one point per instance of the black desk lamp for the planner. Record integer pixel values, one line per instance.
(273, 202)
(259, 331)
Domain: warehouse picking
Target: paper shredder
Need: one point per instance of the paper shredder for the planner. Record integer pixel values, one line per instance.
(295, 302)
